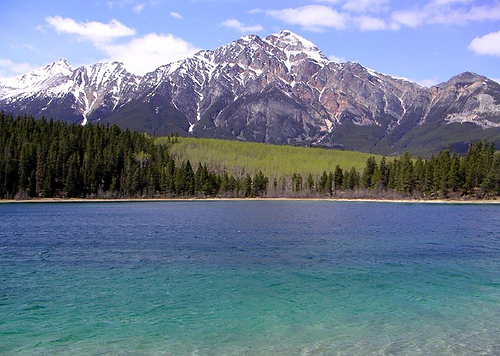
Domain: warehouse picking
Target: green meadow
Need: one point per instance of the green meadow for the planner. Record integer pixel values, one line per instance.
(274, 161)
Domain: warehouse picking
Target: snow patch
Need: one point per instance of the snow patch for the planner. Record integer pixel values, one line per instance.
(372, 73)
(329, 125)
(295, 47)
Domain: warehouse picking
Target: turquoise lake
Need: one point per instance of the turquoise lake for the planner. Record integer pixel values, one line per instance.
(249, 278)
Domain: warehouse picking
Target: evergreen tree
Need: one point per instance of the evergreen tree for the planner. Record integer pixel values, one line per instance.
(370, 168)
(352, 179)
(338, 178)
(248, 186)
(384, 174)
(54, 159)
(297, 182)
(323, 183)
(260, 182)
(73, 182)
(310, 183)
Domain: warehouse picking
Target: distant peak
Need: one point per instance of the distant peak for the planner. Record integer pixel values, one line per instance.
(286, 33)
(60, 63)
(291, 42)
(109, 64)
(59, 67)
(249, 38)
(468, 76)
(465, 78)
(290, 38)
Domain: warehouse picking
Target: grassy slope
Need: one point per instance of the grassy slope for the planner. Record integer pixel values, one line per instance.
(274, 161)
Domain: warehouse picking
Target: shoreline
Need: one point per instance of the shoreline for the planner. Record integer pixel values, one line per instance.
(151, 200)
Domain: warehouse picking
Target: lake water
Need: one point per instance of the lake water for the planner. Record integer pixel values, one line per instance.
(249, 278)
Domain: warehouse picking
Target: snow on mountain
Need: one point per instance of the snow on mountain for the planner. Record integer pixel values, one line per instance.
(297, 47)
(279, 89)
(93, 85)
(49, 78)
(90, 86)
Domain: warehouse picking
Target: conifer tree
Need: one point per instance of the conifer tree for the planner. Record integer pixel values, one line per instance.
(260, 184)
(338, 178)
(247, 186)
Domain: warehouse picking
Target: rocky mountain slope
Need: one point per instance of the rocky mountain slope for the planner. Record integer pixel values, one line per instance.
(280, 89)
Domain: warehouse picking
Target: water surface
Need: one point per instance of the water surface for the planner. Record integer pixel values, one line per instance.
(249, 278)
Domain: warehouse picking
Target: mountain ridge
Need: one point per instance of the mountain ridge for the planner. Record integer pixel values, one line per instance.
(280, 89)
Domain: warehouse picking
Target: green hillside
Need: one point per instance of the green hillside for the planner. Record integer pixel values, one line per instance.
(245, 157)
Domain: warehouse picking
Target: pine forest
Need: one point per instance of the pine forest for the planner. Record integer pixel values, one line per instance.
(52, 159)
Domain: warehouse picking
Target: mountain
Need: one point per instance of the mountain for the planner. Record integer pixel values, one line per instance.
(84, 94)
(280, 89)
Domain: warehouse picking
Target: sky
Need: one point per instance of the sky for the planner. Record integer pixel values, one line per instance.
(427, 41)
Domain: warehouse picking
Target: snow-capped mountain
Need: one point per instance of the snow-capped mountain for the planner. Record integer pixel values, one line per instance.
(75, 95)
(279, 89)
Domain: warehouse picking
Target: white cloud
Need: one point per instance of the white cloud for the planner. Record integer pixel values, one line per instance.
(410, 18)
(336, 59)
(369, 23)
(448, 2)
(428, 82)
(357, 13)
(138, 8)
(9, 68)
(146, 53)
(447, 12)
(139, 55)
(314, 18)
(255, 11)
(30, 47)
(176, 15)
(486, 45)
(93, 31)
(366, 5)
(235, 24)
(485, 12)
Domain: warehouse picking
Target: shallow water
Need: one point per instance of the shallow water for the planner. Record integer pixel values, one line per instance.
(249, 278)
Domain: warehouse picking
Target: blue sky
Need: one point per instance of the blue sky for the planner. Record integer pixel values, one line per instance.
(427, 41)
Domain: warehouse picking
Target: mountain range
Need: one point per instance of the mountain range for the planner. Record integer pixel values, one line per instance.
(280, 89)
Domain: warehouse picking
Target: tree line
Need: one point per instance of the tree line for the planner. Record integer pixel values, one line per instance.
(445, 175)
(46, 158)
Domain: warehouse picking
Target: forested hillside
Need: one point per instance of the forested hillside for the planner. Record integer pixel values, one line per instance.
(40, 158)
(272, 160)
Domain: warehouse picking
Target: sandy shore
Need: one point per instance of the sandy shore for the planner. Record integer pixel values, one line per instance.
(90, 200)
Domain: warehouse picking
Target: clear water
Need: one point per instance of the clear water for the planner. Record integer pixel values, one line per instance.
(249, 278)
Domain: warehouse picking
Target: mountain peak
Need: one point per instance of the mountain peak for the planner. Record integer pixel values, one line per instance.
(278, 89)
(109, 65)
(249, 38)
(63, 62)
(39, 78)
(468, 76)
(293, 44)
(465, 78)
(60, 66)
(292, 39)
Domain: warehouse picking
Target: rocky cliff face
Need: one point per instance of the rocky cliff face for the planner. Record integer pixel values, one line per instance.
(280, 89)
